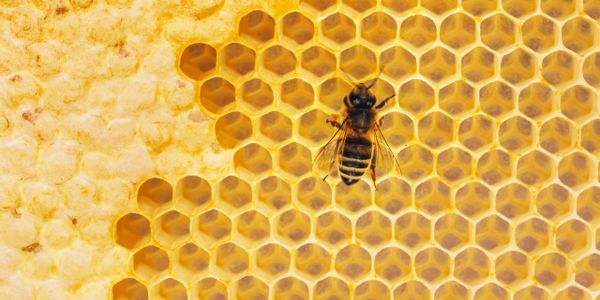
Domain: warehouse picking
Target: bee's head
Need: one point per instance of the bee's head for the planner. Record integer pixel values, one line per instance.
(361, 96)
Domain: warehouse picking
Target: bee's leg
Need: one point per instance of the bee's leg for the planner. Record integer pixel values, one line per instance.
(325, 177)
(334, 123)
(346, 101)
(382, 103)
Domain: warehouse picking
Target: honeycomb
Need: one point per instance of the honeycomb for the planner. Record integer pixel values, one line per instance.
(156, 149)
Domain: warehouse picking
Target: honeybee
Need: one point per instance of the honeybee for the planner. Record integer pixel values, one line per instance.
(358, 144)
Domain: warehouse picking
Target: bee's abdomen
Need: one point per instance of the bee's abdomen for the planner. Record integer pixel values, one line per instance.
(355, 159)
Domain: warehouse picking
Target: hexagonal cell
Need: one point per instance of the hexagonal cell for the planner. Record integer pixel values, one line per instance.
(192, 194)
(454, 164)
(330, 288)
(591, 8)
(318, 61)
(190, 260)
(516, 134)
(557, 135)
(552, 270)
(588, 272)
(437, 64)
(432, 196)
(154, 196)
(217, 95)
(518, 67)
(588, 207)
(252, 161)
(479, 7)
(590, 137)
(473, 199)
(253, 227)
(274, 128)
(314, 193)
(132, 231)
(256, 28)
(413, 230)
(213, 226)
(378, 28)
(572, 238)
(333, 228)
(233, 129)
(578, 102)
(494, 167)
(233, 194)
(492, 233)
(294, 160)
(392, 264)
(238, 60)
(478, 64)
(198, 60)
(476, 132)
(519, 8)
(535, 168)
(471, 266)
(353, 198)
(312, 260)
(416, 96)
(575, 170)
(296, 95)
(531, 292)
(439, 7)
(432, 265)
(293, 226)
(412, 289)
(332, 92)
(373, 228)
(554, 202)
(297, 28)
(314, 129)
(399, 6)
(458, 30)
(169, 288)
(256, 95)
(129, 288)
(452, 231)
(498, 32)
(272, 259)
(393, 195)
(397, 63)
(250, 287)
(558, 68)
(208, 288)
(539, 33)
(397, 128)
(536, 100)
(590, 70)
(353, 262)
(171, 229)
(337, 30)
(360, 5)
(512, 268)
(491, 291)
(457, 98)
(316, 6)
(496, 98)
(558, 9)
(573, 292)
(513, 200)
(231, 258)
(579, 35)
(450, 290)
(418, 30)
(273, 194)
(150, 263)
(371, 289)
(532, 235)
(290, 288)
(436, 129)
(358, 61)
(278, 60)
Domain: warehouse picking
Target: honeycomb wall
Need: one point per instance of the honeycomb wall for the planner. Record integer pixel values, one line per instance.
(163, 150)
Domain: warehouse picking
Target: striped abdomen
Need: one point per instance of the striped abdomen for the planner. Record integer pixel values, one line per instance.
(354, 159)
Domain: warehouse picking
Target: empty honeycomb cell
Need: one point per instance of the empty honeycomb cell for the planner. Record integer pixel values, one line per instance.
(413, 230)
(418, 30)
(373, 228)
(573, 292)
(312, 260)
(358, 61)
(492, 233)
(496, 98)
(558, 68)
(571, 238)
(272, 259)
(558, 9)
(552, 270)
(575, 170)
(213, 226)
(397, 128)
(217, 95)
(231, 258)
(353, 262)
(273, 194)
(274, 128)
(494, 167)
(255, 96)
(208, 288)
(171, 229)
(588, 207)
(513, 200)
(314, 193)
(360, 5)
(331, 288)
(588, 272)
(317, 6)
(457, 98)
(192, 194)
(318, 61)
(498, 32)
(436, 129)
(293, 226)
(129, 288)
(169, 288)
(416, 96)
(557, 135)
(154, 196)
(253, 227)
(590, 70)
(535, 168)
(578, 102)
(451, 290)
(516, 134)
(554, 202)
(590, 137)
(458, 30)
(536, 100)
(454, 164)
(333, 228)
(314, 129)
(257, 28)
(295, 160)
(397, 63)
(290, 288)
(479, 7)
(393, 195)
(592, 8)
(296, 95)
(190, 260)
(478, 64)
(371, 289)
(437, 64)
(337, 30)
(473, 199)
(150, 263)
(579, 35)
(539, 33)
(378, 28)
(439, 7)
(250, 287)
(452, 231)
(296, 28)
(238, 60)
(132, 231)
(518, 66)
(399, 6)
(412, 289)
(512, 268)
(532, 235)
(198, 60)
(471, 266)
(531, 292)
(432, 196)
(278, 60)
(233, 194)
(252, 161)
(332, 92)
(476, 132)
(432, 265)
(233, 129)
(353, 198)
(491, 291)
(392, 264)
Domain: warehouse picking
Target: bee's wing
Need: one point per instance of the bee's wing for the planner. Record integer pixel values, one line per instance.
(326, 159)
(385, 157)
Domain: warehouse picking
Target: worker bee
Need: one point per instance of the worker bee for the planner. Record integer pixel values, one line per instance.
(358, 144)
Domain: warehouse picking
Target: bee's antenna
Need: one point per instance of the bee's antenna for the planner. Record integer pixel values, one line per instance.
(372, 83)
(348, 78)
